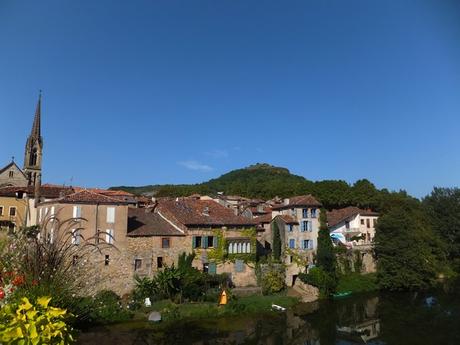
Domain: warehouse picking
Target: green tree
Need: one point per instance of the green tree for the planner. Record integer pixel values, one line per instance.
(443, 209)
(406, 249)
(276, 241)
(325, 256)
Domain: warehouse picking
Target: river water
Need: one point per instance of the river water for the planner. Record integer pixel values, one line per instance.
(428, 318)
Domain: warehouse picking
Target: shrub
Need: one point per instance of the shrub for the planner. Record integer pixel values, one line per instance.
(37, 324)
(107, 308)
(272, 282)
(323, 280)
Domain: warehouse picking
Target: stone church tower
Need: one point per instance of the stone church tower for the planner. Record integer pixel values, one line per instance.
(33, 152)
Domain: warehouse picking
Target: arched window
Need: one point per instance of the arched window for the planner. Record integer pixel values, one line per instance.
(230, 248)
(248, 247)
(33, 157)
(11, 174)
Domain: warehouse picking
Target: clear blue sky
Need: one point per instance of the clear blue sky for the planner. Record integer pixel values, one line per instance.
(146, 92)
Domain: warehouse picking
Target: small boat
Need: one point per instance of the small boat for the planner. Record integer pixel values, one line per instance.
(342, 294)
(278, 307)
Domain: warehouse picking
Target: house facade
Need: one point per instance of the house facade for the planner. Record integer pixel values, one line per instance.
(297, 219)
(90, 218)
(356, 226)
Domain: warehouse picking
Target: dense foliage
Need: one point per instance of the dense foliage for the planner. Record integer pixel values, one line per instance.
(407, 250)
(178, 284)
(276, 241)
(37, 324)
(443, 208)
(266, 181)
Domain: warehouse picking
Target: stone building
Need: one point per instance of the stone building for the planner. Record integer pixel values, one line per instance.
(222, 241)
(297, 219)
(101, 221)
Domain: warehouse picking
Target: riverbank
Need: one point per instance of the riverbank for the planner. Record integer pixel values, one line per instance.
(201, 310)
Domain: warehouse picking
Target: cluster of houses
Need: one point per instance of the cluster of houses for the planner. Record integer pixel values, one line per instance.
(143, 235)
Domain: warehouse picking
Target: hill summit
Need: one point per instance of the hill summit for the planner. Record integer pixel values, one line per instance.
(266, 181)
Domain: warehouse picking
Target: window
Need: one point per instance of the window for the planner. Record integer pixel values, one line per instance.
(12, 211)
(307, 244)
(347, 225)
(375, 222)
(76, 211)
(293, 212)
(305, 213)
(109, 236)
(210, 240)
(137, 264)
(292, 243)
(1, 211)
(76, 236)
(291, 259)
(239, 248)
(290, 228)
(107, 260)
(196, 242)
(206, 268)
(313, 212)
(39, 215)
(11, 174)
(305, 225)
(362, 221)
(165, 242)
(368, 222)
(159, 262)
(74, 260)
(111, 215)
(52, 211)
(11, 227)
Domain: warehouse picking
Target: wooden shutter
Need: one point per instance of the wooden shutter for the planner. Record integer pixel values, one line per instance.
(204, 242)
(212, 268)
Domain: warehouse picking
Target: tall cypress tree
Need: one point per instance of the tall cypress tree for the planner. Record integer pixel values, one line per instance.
(276, 241)
(325, 256)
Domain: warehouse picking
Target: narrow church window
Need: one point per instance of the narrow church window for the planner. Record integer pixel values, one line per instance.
(11, 174)
(33, 157)
(107, 260)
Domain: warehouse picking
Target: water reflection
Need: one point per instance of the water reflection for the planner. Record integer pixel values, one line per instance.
(385, 319)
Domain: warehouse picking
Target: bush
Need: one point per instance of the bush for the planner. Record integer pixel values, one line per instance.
(272, 282)
(323, 280)
(106, 307)
(37, 324)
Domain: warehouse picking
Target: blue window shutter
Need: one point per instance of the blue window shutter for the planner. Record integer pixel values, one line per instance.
(239, 265)
(311, 244)
(194, 242)
(212, 268)
(215, 242)
(204, 242)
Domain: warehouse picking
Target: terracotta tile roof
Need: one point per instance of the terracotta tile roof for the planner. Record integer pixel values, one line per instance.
(298, 201)
(287, 219)
(144, 222)
(87, 197)
(192, 212)
(266, 218)
(47, 191)
(335, 217)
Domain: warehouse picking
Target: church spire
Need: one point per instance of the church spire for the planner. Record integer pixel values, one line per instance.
(34, 149)
(36, 130)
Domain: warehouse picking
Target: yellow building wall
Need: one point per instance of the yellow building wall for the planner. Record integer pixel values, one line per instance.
(21, 211)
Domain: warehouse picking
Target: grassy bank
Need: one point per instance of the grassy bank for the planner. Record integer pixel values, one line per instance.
(202, 310)
(357, 283)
